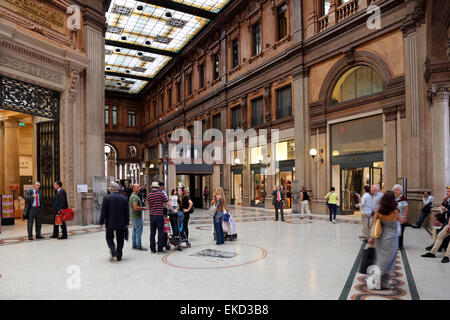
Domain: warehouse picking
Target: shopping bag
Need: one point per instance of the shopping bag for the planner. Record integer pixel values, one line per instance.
(66, 214)
(368, 259)
(166, 225)
(58, 221)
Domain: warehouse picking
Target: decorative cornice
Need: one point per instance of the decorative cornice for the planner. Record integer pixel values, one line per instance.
(390, 113)
(320, 126)
(435, 68)
(413, 21)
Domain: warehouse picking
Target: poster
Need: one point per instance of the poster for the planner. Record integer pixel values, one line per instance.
(7, 206)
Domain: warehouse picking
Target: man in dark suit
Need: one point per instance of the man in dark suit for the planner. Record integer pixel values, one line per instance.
(278, 202)
(33, 211)
(116, 218)
(59, 203)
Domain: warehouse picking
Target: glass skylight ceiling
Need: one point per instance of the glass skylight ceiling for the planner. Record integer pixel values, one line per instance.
(149, 26)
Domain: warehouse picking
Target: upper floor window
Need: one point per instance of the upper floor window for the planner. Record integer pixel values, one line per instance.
(357, 82)
(257, 112)
(282, 21)
(256, 37)
(216, 121)
(114, 115)
(236, 118)
(106, 114)
(204, 126)
(216, 66)
(169, 98)
(132, 118)
(189, 84)
(235, 53)
(284, 102)
(202, 75)
(178, 91)
(324, 7)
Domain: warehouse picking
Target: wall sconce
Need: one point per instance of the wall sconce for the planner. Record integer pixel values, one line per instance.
(313, 152)
(237, 161)
(263, 161)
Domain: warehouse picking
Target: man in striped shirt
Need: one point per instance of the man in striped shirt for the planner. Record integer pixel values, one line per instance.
(156, 202)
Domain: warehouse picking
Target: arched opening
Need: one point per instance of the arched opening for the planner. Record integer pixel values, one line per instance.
(110, 163)
(357, 82)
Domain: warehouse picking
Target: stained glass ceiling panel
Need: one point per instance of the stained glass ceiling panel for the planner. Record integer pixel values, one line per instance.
(153, 27)
(210, 5)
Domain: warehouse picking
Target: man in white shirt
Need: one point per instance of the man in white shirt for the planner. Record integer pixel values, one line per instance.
(428, 203)
(365, 207)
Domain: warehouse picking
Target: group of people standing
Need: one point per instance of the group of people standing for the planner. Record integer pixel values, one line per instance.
(34, 201)
(117, 211)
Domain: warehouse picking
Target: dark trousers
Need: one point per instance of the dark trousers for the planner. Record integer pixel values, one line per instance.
(56, 229)
(185, 224)
(156, 223)
(424, 213)
(120, 237)
(35, 214)
(279, 206)
(400, 238)
(333, 208)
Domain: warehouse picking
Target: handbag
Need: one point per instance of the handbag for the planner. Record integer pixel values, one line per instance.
(212, 210)
(376, 229)
(368, 259)
(66, 214)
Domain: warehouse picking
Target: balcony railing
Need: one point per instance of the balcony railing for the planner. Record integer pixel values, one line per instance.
(347, 10)
(342, 12)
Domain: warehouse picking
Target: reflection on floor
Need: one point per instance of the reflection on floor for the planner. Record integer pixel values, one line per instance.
(298, 259)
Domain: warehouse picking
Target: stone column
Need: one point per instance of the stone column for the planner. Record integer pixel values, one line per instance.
(11, 153)
(2, 158)
(440, 141)
(390, 146)
(95, 84)
(300, 91)
(246, 175)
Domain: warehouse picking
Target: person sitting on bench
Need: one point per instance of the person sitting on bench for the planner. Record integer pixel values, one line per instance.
(428, 202)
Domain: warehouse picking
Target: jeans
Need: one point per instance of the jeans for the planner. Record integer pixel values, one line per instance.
(424, 213)
(220, 238)
(138, 225)
(333, 208)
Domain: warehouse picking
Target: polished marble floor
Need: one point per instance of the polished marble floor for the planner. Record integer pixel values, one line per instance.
(296, 259)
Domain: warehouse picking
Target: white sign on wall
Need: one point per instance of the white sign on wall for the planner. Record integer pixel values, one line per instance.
(82, 188)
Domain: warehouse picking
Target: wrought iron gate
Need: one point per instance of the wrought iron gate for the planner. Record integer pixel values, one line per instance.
(48, 164)
(27, 98)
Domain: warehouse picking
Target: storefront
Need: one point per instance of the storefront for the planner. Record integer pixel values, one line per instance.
(356, 159)
(237, 184)
(285, 159)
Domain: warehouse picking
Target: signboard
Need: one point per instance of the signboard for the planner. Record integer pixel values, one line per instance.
(82, 188)
(14, 187)
(38, 12)
(7, 206)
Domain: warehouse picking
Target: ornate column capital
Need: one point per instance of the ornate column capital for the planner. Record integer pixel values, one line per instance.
(390, 113)
(438, 94)
(413, 21)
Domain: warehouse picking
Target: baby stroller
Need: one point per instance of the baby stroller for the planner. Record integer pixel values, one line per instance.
(177, 236)
(228, 226)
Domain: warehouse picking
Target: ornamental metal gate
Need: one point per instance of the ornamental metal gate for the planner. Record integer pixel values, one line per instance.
(30, 99)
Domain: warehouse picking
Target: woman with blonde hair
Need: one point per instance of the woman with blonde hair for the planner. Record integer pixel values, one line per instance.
(219, 200)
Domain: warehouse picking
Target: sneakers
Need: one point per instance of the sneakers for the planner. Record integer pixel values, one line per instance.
(415, 226)
(445, 260)
(428, 255)
(331, 222)
(334, 220)
(153, 251)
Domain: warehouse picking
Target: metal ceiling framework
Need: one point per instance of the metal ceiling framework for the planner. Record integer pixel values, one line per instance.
(143, 36)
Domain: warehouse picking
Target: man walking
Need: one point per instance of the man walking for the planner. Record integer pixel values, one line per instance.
(278, 202)
(156, 200)
(136, 209)
(365, 207)
(428, 202)
(59, 203)
(33, 203)
(116, 218)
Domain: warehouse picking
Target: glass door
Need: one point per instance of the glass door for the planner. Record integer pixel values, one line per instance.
(236, 196)
(258, 187)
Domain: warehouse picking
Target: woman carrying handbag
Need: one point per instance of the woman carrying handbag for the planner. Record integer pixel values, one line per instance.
(217, 211)
(384, 237)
